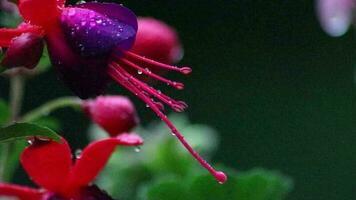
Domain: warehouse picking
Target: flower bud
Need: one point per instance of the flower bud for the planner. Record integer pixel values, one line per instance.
(24, 51)
(158, 41)
(115, 114)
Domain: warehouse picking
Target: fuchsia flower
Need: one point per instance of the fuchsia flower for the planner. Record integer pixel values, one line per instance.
(158, 41)
(335, 15)
(50, 165)
(89, 44)
(115, 114)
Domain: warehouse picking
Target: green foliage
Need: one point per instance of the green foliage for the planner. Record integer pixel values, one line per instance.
(49, 122)
(257, 184)
(4, 112)
(23, 130)
(163, 170)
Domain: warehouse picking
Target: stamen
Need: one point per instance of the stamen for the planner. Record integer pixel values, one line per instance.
(174, 84)
(116, 73)
(178, 106)
(135, 57)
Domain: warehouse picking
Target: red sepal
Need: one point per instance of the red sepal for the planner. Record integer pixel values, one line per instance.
(48, 164)
(95, 156)
(39, 12)
(23, 193)
(6, 34)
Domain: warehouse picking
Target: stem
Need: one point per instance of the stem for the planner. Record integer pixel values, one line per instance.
(16, 96)
(51, 106)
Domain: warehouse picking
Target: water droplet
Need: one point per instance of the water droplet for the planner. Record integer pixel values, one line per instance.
(78, 153)
(137, 149)
(91, 14)
(30, 142)
(148, 70)
(139, 72)
(80, 2)
(83, 23)
(147, 106)
(99, 21)
(92, 24)
(71, 12)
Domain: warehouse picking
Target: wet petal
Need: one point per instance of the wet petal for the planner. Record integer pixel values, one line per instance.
(48, 163)
(95, 156)
(20, 192)
(91, 33)
(113, 11)
(335, 15)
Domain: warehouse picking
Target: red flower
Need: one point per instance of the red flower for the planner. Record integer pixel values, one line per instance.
(50, 165)
(89, 44)
(115, 114)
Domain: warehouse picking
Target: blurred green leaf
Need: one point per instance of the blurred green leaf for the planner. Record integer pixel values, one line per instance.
(4, 112)
(22, 130)
(49, 122)
(172, 190)
(259, 184)
(13, 161)
(205, 187)
(45, 63)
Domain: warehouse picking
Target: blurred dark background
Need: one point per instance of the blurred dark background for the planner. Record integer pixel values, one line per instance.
(276, 87)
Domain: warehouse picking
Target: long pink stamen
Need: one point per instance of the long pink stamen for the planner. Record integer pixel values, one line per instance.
(178, 106)
(174, 84)
(135, 57)
(119, 75)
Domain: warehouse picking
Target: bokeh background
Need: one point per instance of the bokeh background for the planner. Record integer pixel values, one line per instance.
(280, 91)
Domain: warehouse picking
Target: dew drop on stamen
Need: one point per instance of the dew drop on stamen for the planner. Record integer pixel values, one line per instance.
(139, 72)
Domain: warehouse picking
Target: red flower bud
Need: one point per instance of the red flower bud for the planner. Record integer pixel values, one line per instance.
(158, 41)
(24, 51)
(115, 114)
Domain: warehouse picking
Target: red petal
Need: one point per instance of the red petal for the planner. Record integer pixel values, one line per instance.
(23, 193)
(6, 35)
(39, 12)
(48, 164)
(95, 156)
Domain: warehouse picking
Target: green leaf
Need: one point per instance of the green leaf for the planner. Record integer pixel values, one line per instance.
(4, 112)
(166, 190)
(49, 122)
(205, 187)
(22, 130)
(259, 184)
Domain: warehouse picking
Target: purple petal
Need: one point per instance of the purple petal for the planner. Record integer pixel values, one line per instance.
(86, 77)
(91, 33)
(335, 15)
(113, 11)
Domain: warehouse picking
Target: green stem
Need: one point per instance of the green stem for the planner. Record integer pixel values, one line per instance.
(51, 106)
(16, 96)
